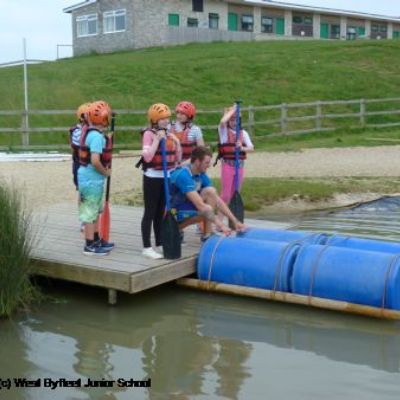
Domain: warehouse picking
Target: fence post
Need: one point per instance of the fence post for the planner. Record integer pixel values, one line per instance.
(284, 118)
(25, 128)
(362, 113)
(318, 116)
(251, 120)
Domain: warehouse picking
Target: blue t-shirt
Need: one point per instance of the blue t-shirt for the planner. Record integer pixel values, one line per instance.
(183, 181)
(96, 142)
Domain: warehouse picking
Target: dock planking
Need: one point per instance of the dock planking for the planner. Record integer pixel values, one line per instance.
(58, 251)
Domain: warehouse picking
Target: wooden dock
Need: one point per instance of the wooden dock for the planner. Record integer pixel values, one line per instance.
(58, 251)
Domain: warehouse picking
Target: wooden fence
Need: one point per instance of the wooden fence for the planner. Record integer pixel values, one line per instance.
(265, 121)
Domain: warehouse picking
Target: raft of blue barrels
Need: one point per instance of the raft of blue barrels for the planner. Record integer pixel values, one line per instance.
(345, 270)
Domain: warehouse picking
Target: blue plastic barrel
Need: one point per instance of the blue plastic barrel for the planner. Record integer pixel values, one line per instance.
(356, 276)
(284, 236)
(363, 244)
(245, 262)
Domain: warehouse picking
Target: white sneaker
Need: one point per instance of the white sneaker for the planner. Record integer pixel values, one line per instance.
(160, 250)
(150, 253)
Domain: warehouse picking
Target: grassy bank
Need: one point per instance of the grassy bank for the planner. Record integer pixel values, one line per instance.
(260, 73)
(16, 289)
(269, 72)
(258, 193)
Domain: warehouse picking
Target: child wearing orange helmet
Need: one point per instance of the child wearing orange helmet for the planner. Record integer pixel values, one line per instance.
(95, 151)
(189, 134)
(153, 175)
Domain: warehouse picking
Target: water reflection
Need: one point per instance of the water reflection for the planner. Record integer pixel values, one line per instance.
(188, 343)
(345, 338)
(160, 335)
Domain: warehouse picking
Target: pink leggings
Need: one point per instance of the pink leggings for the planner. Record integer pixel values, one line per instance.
(228, 181)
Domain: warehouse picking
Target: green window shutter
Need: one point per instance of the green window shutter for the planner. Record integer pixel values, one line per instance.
(324, 31)
(280, 26)
(396, 34)
(361, 31)
(173, 19)
(232, 22)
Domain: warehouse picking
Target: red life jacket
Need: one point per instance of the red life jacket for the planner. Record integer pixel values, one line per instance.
(187, 145)
(227, 150)
(84, 151)
(156, 161)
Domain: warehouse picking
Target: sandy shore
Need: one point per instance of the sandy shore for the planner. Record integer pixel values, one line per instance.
(46, 183)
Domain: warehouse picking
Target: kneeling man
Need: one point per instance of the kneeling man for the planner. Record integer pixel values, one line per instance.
(195, 199)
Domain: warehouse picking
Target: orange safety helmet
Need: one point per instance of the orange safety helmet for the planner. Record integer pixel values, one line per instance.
(82, 110)
(158, 111)
(99, 113)
(187, 108)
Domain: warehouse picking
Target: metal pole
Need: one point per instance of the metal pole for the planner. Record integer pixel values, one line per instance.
(25, 137)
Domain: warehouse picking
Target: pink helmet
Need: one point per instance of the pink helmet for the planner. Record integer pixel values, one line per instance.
(187, 108)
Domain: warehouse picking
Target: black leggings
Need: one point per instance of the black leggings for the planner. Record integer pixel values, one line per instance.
(154, 204)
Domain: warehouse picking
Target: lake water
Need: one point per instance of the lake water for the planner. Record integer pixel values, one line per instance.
(197, 345)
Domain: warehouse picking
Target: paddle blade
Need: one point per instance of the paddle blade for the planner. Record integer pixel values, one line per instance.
(104, 222)
(170, 238)
(237, 208)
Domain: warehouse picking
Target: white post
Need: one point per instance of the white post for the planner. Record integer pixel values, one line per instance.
(390, 30)
(25, 137)
(317, 26)
(288, 23)
(343, 28)
(368, 29)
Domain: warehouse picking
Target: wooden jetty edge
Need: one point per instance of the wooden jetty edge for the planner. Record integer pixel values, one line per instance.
(284, 297)
(58, 251)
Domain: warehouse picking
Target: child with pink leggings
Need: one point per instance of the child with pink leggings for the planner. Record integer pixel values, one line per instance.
(226, 151)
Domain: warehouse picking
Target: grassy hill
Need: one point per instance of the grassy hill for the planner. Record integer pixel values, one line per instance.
(210, 75)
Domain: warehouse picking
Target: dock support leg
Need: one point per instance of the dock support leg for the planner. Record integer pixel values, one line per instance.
(112, 297)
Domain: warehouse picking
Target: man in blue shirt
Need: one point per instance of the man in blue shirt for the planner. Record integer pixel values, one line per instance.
(195, 199)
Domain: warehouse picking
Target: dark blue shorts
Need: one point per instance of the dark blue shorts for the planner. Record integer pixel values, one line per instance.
(185, 210)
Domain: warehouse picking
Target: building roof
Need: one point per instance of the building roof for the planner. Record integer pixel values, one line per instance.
(79, 5)
(289, 6)
(323, 10)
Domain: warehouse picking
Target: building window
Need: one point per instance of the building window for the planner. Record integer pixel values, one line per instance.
(297, 19)
(86, 25)
(173, 19)
(302, 25)
(308, 21)
(378, 31)
(197, 5)
(192, 22)
(213, 21)
(247, 23)
(114, 21)
(335, 31)
(267, 25)
(351, 33)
